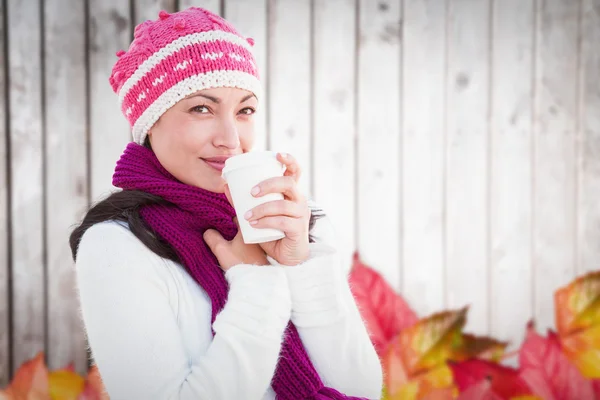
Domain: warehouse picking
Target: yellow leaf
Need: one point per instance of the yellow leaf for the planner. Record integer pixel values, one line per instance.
(583, 350)
(65, 385)
(578, 323)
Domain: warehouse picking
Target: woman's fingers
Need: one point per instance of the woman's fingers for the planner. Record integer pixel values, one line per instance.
(292, 167)
(276, 208)
(279, 184)
(289, 225)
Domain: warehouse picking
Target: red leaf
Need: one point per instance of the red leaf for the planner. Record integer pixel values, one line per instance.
(385, 313)
(479, 391)
(505, 382)
(548, 371)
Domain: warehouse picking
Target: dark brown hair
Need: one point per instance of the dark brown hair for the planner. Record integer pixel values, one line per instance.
(125, 206)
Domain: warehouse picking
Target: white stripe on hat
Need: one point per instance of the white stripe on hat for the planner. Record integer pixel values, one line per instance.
(173, 47)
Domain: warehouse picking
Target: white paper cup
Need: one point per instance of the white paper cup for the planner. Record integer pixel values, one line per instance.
(242, 173)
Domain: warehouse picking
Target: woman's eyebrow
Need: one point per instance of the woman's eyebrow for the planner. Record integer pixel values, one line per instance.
(217, 100)
(211, 98)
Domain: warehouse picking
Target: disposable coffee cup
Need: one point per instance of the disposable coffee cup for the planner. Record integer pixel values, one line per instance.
(242, 173)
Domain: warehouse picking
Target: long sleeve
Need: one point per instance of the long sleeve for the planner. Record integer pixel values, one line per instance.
(133, 332)
(330, 325)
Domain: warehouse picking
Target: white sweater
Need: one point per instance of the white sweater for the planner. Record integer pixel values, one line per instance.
(148, 323)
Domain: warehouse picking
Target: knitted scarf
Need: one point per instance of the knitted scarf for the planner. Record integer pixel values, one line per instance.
(181, 224)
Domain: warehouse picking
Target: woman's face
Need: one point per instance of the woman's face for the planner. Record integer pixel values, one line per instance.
(193, 138)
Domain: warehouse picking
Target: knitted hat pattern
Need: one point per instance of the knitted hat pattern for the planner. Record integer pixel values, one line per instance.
(175, 56)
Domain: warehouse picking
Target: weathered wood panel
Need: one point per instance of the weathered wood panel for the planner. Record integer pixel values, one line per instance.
(378, 149)
(554, 165)
(589, 131)
(148, 9)
(27, 183)
(467, 111)
(66, 173)
(423, 127)
(334, 111)
(5, 300)
(109, 31)
(510, 177)
(211, 5)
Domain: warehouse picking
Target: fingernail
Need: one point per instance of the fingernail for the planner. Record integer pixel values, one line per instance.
(283, 155)
(253, 222)
(248, 214)
(255, 190)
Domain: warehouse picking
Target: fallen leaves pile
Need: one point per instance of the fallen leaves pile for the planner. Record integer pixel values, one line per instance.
(33, 381)
(432, 358)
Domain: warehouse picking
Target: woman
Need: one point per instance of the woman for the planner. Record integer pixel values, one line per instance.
(174, 304)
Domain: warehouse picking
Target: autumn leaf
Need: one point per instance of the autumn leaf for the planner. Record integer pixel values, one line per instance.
(578, 304)
(432, 341)
(578, 322)
(65, 385)
(482, 347)
(385, 313)
(30, 381)
(504, 382)
(548, 371)
(94, 388)
(479, 391)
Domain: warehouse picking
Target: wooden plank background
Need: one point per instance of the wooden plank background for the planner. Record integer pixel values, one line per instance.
(455, 144)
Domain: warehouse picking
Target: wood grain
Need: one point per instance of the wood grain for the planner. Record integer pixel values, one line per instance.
(467, 110)
(554, 177)
(66, 174)
(334, 118)
(423, 77)
(510, 182)
(27, 188)
(148, 9)
(588, 240)
(379, 159)
(5, 300)
(109, 31)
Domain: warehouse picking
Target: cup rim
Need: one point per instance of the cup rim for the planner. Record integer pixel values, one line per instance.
(254, 157)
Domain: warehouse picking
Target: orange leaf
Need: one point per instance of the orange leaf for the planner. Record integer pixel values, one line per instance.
(30, 381)
(505, 382)
(94, 388)
(385, 313)
(431, 341)
(578, 304)
(548, 371)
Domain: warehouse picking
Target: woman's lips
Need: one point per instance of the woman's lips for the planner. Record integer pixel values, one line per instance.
(216, 165)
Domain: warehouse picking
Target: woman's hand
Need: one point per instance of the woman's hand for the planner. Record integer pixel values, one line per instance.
(290, 215)
(234, 252)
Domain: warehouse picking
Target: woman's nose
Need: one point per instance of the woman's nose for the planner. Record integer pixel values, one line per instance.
(227, 136)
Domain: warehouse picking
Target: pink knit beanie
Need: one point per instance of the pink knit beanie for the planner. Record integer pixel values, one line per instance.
(175, 56)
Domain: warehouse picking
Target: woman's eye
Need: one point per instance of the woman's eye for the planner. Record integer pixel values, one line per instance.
(247, 111)
(201, 109)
